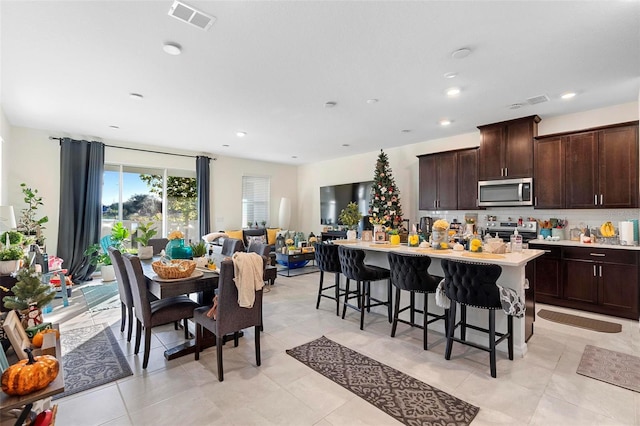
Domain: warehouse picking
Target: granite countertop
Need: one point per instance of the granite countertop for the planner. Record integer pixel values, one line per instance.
(569, 243)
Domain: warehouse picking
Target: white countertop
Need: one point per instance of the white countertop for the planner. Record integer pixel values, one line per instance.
(569, 243)
(506, 259)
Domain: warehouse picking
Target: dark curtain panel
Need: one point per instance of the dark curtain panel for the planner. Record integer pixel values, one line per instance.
(81, 170)
(203, 188)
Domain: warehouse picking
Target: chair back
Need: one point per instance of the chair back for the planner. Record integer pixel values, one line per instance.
(352, 263)
(261, 248)
(231, 317)
(231, 245)
(327, 257)
(472, 283)
(105, 243)
(124, 287)
(138, 288)
(411, 272)
(158, 244)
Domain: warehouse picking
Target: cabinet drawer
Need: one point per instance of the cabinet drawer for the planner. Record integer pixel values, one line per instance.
(625, 257)
(549, 251)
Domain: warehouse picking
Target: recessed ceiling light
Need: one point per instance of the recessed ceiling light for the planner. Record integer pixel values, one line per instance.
(405, 131)
(568, 95)
(114, 127)
(516, 106)
(372, 101)
(450, 75)
(445, 122)
(226, 145)
(345, 144)
(172, 48)
(461, 53)
(136, 96)
(241, 134)
(294, 156)
(330, 104)
(453, 91)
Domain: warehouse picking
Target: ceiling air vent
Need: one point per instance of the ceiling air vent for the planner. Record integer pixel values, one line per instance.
(190, 15)
(538, 99)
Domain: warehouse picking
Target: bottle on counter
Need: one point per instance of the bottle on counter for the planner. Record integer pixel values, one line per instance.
(516, 242)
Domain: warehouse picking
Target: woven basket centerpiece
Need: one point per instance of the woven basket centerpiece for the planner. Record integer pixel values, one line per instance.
(175, 269)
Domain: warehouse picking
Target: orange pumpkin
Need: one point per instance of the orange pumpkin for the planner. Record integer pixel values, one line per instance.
(30, 375)
(39, 337)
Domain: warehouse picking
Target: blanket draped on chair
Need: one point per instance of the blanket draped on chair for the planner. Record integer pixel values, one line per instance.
(249, 270)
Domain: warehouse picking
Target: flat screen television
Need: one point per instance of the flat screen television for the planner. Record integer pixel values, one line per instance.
(334, 198)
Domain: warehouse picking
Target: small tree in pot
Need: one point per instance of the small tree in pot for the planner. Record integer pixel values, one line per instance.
(10, 258)
(350, 216)
(145, 232)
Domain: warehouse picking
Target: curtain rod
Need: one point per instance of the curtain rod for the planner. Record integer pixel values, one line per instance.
(139, 149)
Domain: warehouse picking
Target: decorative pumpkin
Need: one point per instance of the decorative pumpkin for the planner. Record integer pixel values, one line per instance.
(39, 337)
(30, 375)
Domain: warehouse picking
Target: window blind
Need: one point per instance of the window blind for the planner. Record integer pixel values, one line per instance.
(255, 199)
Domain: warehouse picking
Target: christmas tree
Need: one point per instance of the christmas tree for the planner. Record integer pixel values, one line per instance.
(29, 290)
(384, 208)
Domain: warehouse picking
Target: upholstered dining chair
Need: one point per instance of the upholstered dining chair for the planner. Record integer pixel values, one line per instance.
(474, 284)
(124, 289)
(230, 317)
(151, 314)
(328, 260)
(354, 268)
(231, 245)
(410, 272)
(158, 244)
(264, 250)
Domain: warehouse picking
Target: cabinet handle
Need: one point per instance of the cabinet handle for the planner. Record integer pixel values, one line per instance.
(547, 251)
(536, 203)
(597, 254)
(595, 200)
(600, 271)
(601, 203)
(506, 171)
(434, 204)
(594, 270)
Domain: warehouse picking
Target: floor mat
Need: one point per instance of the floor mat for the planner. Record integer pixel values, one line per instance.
(582, 322)
(612, 367)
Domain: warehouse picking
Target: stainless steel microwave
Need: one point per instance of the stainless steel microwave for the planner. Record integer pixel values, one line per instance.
(507, 192)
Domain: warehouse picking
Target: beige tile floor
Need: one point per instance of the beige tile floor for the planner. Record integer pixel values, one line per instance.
(540, 389)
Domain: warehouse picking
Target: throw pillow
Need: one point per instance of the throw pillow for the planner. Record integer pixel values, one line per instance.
(272, 234)
(213, 236)
(255, 239)
(235, 234)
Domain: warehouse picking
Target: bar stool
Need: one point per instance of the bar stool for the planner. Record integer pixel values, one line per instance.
(474, 284)
(354, 268)
(411, 273)
(328, 260)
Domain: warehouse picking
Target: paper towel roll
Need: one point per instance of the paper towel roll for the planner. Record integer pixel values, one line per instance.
(625, 230)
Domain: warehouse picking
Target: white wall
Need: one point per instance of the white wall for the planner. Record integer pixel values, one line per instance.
(34, 159)
(404, 165)
(5, 130)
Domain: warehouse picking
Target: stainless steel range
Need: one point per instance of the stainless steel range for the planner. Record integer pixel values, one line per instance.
(528, 229)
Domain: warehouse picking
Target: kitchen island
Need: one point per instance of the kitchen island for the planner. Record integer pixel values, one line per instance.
(513, 276)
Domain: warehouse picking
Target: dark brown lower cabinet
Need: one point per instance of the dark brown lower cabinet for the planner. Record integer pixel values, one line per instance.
(529, 301)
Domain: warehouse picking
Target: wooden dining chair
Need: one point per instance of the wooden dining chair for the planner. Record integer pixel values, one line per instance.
(230, 318)
(151, 314)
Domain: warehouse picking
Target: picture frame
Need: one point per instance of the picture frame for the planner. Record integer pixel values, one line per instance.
(367, 236)
(380, 236)
(16, 334)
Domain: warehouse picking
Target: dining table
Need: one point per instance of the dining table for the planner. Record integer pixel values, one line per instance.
(202, 282)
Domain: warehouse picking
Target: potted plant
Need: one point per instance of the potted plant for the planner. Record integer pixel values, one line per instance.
(15, 238)
(10, 258)
(30, 294)
(97, 257)
(28, 223)
(145, 232)
(350, 216)
(199, 251)
(394, 237)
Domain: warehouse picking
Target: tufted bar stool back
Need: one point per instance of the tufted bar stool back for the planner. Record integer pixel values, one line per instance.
(410, 273)
(475, 285)
(354, 268)
(328, 260)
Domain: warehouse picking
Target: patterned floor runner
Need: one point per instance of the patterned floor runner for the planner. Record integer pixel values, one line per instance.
(612, 367)
(403, 397)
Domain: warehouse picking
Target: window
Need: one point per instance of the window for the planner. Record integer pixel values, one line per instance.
(255, 200)
(137, 194)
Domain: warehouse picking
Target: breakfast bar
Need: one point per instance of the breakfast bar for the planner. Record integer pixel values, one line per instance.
(513, 276)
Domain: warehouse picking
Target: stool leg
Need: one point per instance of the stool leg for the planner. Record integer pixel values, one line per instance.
(337, 280)
(510, 338)
(492, 341)
(389, 310)
(346, 299)
(412, 310)
(363, 305)
(463, 322)
(395, 314)
(425, 319)
(320, 288)
(367, 290)
(452, 325)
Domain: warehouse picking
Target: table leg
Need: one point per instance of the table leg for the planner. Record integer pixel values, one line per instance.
(189, 347)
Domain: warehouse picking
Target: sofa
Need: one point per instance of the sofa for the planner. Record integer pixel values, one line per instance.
(226, 247)
(246, 236)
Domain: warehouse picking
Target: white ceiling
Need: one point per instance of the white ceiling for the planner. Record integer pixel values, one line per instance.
(268, 67)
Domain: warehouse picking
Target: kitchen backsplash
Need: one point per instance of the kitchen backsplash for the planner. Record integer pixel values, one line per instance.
(590, 217)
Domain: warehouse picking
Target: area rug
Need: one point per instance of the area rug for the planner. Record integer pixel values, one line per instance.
(96, 295)
(91, 357)
(612, 367)
(582, 322)
(403, 397)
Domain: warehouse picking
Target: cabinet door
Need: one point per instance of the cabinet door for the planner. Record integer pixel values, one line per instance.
(581, 165)
(549, 183)
(619, 289)
(548, 276)
(580, 281)
(490, 160)
(468, 179)
(518, 149)
(618, 162)
(447, 180)
(428, 182)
